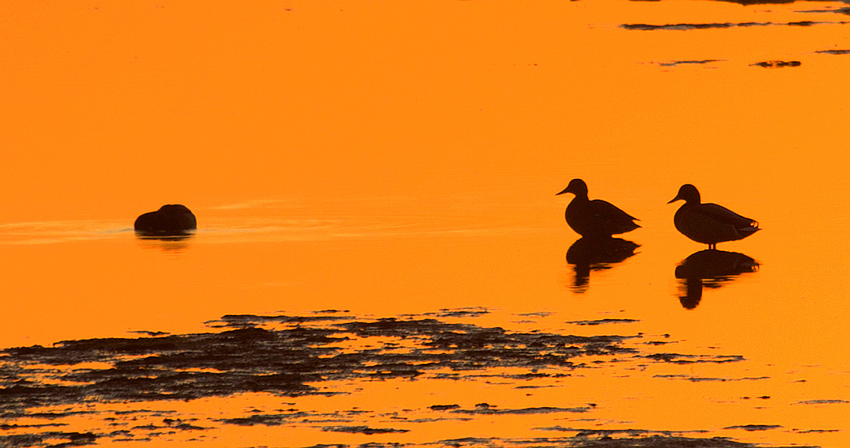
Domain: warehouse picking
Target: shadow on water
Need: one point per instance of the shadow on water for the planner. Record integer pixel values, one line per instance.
(587, 254)
(710, 269)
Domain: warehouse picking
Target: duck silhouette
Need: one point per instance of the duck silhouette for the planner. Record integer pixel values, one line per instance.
(596, 218)
(709, 223)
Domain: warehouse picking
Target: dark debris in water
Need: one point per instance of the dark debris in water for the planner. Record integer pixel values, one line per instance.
(461, 312)
(362, 430)
(602, 321)
(759, 2)
(678, 358)
(293, 416)
(250, 320)
(823, 402)
(539, 314)
(488, 409)
(691, 62)
(701, 379)
(754, 427)
(845, 11)
(778, 64)
(599, 439)
(444, 407)
(815, 431)
(266, 419)
(149, 333)
(49, 439)
(835, 52)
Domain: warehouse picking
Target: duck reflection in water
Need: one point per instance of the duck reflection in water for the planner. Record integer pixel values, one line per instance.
(710, 268)
(596, 254)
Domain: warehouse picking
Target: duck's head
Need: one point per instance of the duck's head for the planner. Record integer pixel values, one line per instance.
(687, 193)
(576, 187)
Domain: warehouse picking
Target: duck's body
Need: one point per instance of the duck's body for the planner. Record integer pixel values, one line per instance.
(709, 223)
(596, 218)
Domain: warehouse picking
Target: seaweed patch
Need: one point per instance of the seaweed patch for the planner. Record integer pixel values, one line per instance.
(697, 379)
(754, 427)
(691, 62)
(815, 402)
(835, 52)
(362, 430)
(603, 321)
(844, 11)
(488, 409)
(778, 64)
(678, 358)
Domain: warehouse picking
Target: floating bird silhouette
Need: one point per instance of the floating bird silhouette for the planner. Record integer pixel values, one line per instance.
(596, 218)
(709, 223)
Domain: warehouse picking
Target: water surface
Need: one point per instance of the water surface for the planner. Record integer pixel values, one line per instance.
(381, 257)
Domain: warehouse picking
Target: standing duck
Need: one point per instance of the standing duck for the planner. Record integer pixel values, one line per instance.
(709, 223)
(596, 218)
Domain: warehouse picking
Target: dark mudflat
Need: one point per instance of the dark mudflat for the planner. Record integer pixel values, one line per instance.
(294, 356)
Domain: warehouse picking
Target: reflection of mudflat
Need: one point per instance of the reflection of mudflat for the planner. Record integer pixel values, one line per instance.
(595, 255)
(712, 269)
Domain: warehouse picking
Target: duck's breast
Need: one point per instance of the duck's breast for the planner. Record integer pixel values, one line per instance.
(579, 217)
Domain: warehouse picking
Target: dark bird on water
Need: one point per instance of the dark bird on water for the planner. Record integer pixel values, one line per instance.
(709, 223)
(596, 218)
(170, 219)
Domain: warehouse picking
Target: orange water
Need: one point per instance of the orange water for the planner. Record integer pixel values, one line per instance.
(394, 158)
